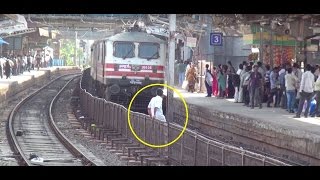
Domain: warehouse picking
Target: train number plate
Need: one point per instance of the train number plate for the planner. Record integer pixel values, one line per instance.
(146, 67)
(135, 81)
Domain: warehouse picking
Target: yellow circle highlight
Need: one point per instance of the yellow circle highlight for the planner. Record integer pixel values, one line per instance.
(185, 125)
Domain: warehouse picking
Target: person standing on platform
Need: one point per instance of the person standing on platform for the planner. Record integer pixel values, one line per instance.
(7, 69)
(208, 81)
(181, 72)
(255, 85)
(238, 89)
(38, 61)
(298, 73)
(50, 62)
(192, 78)
(28, 63)
(317, 92)
(231, 72)
(222, 80)
(282, 92)
(267, 83)
(290, 85)
(244, 83)
(214, 82)
(306, 91)
(15, 66)
(1, 71)
(274, 87)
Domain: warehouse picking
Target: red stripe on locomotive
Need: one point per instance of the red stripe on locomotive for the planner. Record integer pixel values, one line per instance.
(134, 74)
(108, 65)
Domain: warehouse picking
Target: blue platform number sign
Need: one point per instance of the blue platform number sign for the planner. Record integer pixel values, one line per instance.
(216, 39)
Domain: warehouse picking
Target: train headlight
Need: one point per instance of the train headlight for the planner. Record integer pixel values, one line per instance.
(114, 89)
(124, 77)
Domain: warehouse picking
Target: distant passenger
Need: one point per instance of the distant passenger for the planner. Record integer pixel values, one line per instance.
(255, 86)
(28, 63)
(50, 62)
(208, 81)
(156, 106)
(238, 89)
(0, 70)
(191, 78)
(317, 93)
(290, 85)
(181, 71)
(215, 81)
(38, 61)
(7, 69)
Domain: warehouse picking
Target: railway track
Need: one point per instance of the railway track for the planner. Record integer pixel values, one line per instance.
(33, 134)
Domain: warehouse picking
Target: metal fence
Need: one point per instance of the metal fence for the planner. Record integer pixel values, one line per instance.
(192, 149)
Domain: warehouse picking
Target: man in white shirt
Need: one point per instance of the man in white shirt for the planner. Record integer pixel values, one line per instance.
(238, 89)
(155, 106)
(151, 106)
(297, 72)
(306, 91)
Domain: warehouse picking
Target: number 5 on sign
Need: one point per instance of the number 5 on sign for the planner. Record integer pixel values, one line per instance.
(216, 39)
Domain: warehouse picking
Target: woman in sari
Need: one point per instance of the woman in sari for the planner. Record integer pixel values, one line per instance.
(191, 78)
(214, 82)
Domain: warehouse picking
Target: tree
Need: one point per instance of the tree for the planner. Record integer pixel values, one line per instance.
(67, 52)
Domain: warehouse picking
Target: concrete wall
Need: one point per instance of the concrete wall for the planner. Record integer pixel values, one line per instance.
(233, 49)
(313, 58)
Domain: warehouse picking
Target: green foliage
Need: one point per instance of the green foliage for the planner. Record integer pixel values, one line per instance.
(67, 52)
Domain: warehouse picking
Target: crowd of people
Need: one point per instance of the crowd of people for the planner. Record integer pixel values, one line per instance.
(16, 65)
(285, 86)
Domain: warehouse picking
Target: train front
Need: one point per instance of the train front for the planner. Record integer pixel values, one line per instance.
(138, 59)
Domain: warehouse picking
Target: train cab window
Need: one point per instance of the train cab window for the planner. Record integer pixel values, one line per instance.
(149, 50)
(123, 50)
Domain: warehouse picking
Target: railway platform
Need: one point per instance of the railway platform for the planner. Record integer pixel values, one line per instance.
(271, 131)
(9, 87)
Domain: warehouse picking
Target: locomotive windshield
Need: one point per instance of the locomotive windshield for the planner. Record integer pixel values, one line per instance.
(124, 50)
(149, 50)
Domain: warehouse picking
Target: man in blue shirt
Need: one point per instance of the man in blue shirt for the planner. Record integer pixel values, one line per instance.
(274, 87)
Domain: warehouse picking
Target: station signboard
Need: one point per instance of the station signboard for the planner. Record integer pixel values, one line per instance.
(216, 39)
